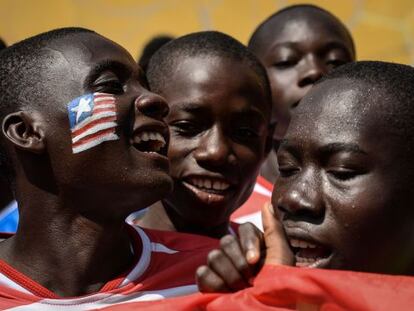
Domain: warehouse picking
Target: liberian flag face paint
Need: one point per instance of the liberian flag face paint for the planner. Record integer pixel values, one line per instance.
(92, 120)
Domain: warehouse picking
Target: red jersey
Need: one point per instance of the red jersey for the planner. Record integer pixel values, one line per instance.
(290, 288)
(165, 267)
(250, 211)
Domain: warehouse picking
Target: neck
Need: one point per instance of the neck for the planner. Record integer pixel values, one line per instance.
(184, 225)
(160, 216)
(156, 218)
(67, 253)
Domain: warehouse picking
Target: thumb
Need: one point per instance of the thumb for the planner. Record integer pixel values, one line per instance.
(277, 248)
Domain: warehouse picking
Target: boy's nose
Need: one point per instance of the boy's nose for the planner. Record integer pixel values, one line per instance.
(302, 201)
(313, 69)
(214, 149)
(152, 105)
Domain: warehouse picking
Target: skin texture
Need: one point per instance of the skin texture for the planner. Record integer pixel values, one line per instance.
(219, 124)
(345, 181)
(298, 48)
(81, 198)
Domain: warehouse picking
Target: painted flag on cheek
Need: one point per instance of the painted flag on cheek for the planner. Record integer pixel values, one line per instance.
(92, 120)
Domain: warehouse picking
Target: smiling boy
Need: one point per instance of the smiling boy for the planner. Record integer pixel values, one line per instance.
(220, 107)
(85, 143)
(298, 45)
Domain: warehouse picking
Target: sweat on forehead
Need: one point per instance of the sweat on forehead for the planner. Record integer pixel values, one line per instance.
(371, 90)
(205, 43)
(269, 29)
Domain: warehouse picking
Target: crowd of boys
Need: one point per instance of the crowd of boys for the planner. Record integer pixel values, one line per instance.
(126, 174)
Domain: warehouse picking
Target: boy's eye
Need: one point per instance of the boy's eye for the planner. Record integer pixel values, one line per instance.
(186, 128)
(288, 163)
(245, 133)
(111, 87)
(333, 63)
(288, 170)
(108, 83)
(344, 174)
(285, 64)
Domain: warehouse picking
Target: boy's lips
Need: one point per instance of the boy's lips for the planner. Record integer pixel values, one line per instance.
(309, 252)
(151, 139)
(208, 189)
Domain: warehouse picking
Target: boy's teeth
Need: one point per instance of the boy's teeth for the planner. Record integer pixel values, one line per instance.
(209, 184)
(149, 141)
(305, 261)
(218, 185)
(301, 244)
(148, 136)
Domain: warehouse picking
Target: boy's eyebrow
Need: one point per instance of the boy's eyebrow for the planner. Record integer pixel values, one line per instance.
(252, 113)
(329, 148)
(192, 107)
(285, 144)
(342, 147)
(103, 66)
(294, 45)
(335, 45)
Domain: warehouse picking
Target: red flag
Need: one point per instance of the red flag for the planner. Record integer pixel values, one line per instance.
(290, 288)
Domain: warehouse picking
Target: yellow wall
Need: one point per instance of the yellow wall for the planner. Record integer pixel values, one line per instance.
(383, 29)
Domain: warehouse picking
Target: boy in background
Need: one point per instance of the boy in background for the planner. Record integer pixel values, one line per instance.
(298, 45)
(220, 108)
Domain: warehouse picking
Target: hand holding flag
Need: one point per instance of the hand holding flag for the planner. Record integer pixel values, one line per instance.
(232, 267)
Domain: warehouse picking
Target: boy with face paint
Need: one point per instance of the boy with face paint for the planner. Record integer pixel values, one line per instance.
(220, 106)
(74, 110)
(298, 45)
(344, 192)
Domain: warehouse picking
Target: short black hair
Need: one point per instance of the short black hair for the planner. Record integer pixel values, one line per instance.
(256, 40)
(21, 65)
(204, 43)
(391, 87)
(150, 48)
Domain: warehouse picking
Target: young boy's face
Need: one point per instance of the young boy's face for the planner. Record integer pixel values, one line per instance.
(219, 119)
(113, 170)
(301, 49)
(343, 193)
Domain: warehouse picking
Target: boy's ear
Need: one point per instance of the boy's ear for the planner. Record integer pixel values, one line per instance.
(24, 131)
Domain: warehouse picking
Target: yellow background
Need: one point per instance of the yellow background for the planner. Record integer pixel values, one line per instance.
(383, 29)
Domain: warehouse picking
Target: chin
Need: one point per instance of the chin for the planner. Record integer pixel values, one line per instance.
(160, 187)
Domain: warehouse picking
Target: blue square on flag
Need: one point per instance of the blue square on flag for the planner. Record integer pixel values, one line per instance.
(80, 108)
